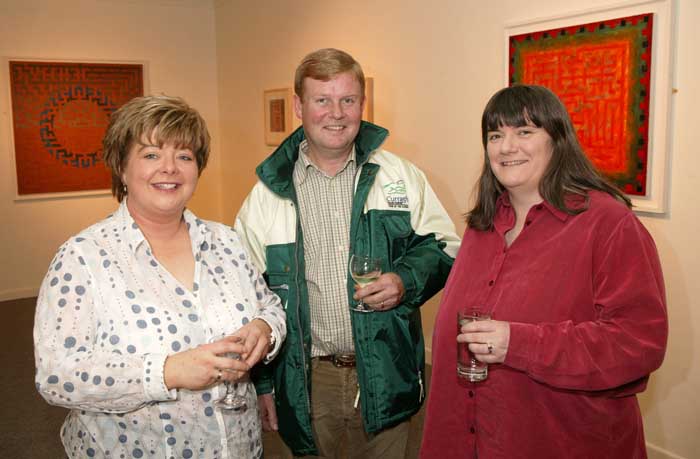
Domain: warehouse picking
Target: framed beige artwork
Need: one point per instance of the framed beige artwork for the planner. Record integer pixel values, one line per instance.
(278, 115)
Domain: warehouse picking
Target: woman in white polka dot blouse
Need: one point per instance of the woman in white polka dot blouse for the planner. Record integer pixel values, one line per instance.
(130, 312)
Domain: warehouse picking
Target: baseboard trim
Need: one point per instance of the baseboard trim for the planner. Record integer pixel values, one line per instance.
(656, 452)
(19, 293)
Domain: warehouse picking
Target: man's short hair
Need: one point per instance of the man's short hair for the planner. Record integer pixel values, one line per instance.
(325, 64)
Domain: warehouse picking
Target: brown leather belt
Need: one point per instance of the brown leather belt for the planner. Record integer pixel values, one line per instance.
(339, 360)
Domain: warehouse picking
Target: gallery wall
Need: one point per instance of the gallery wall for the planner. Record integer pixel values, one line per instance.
(435, 64)
(175, 39)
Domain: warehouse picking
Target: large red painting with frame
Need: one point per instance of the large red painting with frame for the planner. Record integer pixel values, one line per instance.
(601, 71)
(60, 112)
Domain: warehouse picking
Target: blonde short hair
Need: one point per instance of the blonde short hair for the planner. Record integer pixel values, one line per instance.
(325, 64)
(160, 119)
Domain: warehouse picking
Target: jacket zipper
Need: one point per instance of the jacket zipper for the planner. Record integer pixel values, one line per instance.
(298, 306)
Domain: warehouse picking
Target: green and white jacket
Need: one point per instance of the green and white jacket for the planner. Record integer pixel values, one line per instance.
(396, 216)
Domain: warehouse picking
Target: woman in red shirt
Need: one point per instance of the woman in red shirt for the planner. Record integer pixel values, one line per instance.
(574, 285)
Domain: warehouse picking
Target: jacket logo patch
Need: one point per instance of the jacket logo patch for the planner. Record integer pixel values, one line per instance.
(395, 193)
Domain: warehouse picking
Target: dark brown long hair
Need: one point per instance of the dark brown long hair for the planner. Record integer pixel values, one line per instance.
(569, 171)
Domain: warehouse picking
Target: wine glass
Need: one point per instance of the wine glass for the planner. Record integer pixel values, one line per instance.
(364, 270)
(231, 401)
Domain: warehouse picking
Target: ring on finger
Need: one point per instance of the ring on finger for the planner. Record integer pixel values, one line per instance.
(381, 304)
(218, 376)
(489, 346)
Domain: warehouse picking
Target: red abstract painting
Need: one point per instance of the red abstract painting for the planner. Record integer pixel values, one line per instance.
(601, 71)
(60, 112)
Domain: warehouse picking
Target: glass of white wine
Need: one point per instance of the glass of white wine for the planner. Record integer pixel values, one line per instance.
(232, 401)
(364, 270)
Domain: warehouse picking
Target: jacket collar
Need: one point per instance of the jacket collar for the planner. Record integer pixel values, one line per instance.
(277, 169)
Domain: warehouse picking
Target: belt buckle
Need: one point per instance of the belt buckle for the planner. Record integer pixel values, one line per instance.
(344, 360)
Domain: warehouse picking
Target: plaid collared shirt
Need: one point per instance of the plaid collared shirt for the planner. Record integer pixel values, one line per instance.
(325, 204)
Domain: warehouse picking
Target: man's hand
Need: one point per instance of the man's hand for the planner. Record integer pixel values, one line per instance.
(383, 294)
(268, 412)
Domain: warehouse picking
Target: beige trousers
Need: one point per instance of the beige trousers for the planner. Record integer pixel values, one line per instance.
(337, 420)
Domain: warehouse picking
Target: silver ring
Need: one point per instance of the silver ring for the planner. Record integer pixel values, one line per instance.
(489, 346)
(382, 304)
(218, 376)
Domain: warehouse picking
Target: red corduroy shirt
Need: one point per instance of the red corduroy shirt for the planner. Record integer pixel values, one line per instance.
(584, 296)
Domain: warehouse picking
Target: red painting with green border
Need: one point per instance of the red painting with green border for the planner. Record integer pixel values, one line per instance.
(601, 71)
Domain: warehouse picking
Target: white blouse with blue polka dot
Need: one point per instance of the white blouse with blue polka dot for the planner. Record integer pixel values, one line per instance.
(109, 314)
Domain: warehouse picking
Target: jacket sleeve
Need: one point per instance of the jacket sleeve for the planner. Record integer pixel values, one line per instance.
(616, 352)
(425, 265)
(249, 226)
(252, 235)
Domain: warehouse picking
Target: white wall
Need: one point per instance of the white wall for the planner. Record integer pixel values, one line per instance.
(175, 38)
(435, 64)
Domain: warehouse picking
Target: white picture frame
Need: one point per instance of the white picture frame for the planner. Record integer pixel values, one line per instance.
(655, 201)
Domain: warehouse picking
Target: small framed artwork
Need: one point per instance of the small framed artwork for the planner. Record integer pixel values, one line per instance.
(278, 115)
(612, 70)
(368, 111)
(60, 112)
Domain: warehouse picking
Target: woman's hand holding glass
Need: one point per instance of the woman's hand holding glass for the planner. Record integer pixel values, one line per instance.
(204, 365)
(488, 339)
(255, 336)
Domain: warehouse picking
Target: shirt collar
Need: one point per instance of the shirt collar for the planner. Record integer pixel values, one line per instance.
(306, 162)
(200, 236)
(504, 201)
(132, 233)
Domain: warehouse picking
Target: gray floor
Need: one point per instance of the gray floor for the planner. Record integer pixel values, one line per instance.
(29, 427)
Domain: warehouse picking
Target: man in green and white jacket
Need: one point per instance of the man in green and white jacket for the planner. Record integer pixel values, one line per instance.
(330, 191)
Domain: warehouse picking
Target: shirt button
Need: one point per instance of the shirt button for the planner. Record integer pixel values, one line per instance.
(527, 223)
(539, 207)
(471, 394)
(472, 429)
(490, 283)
